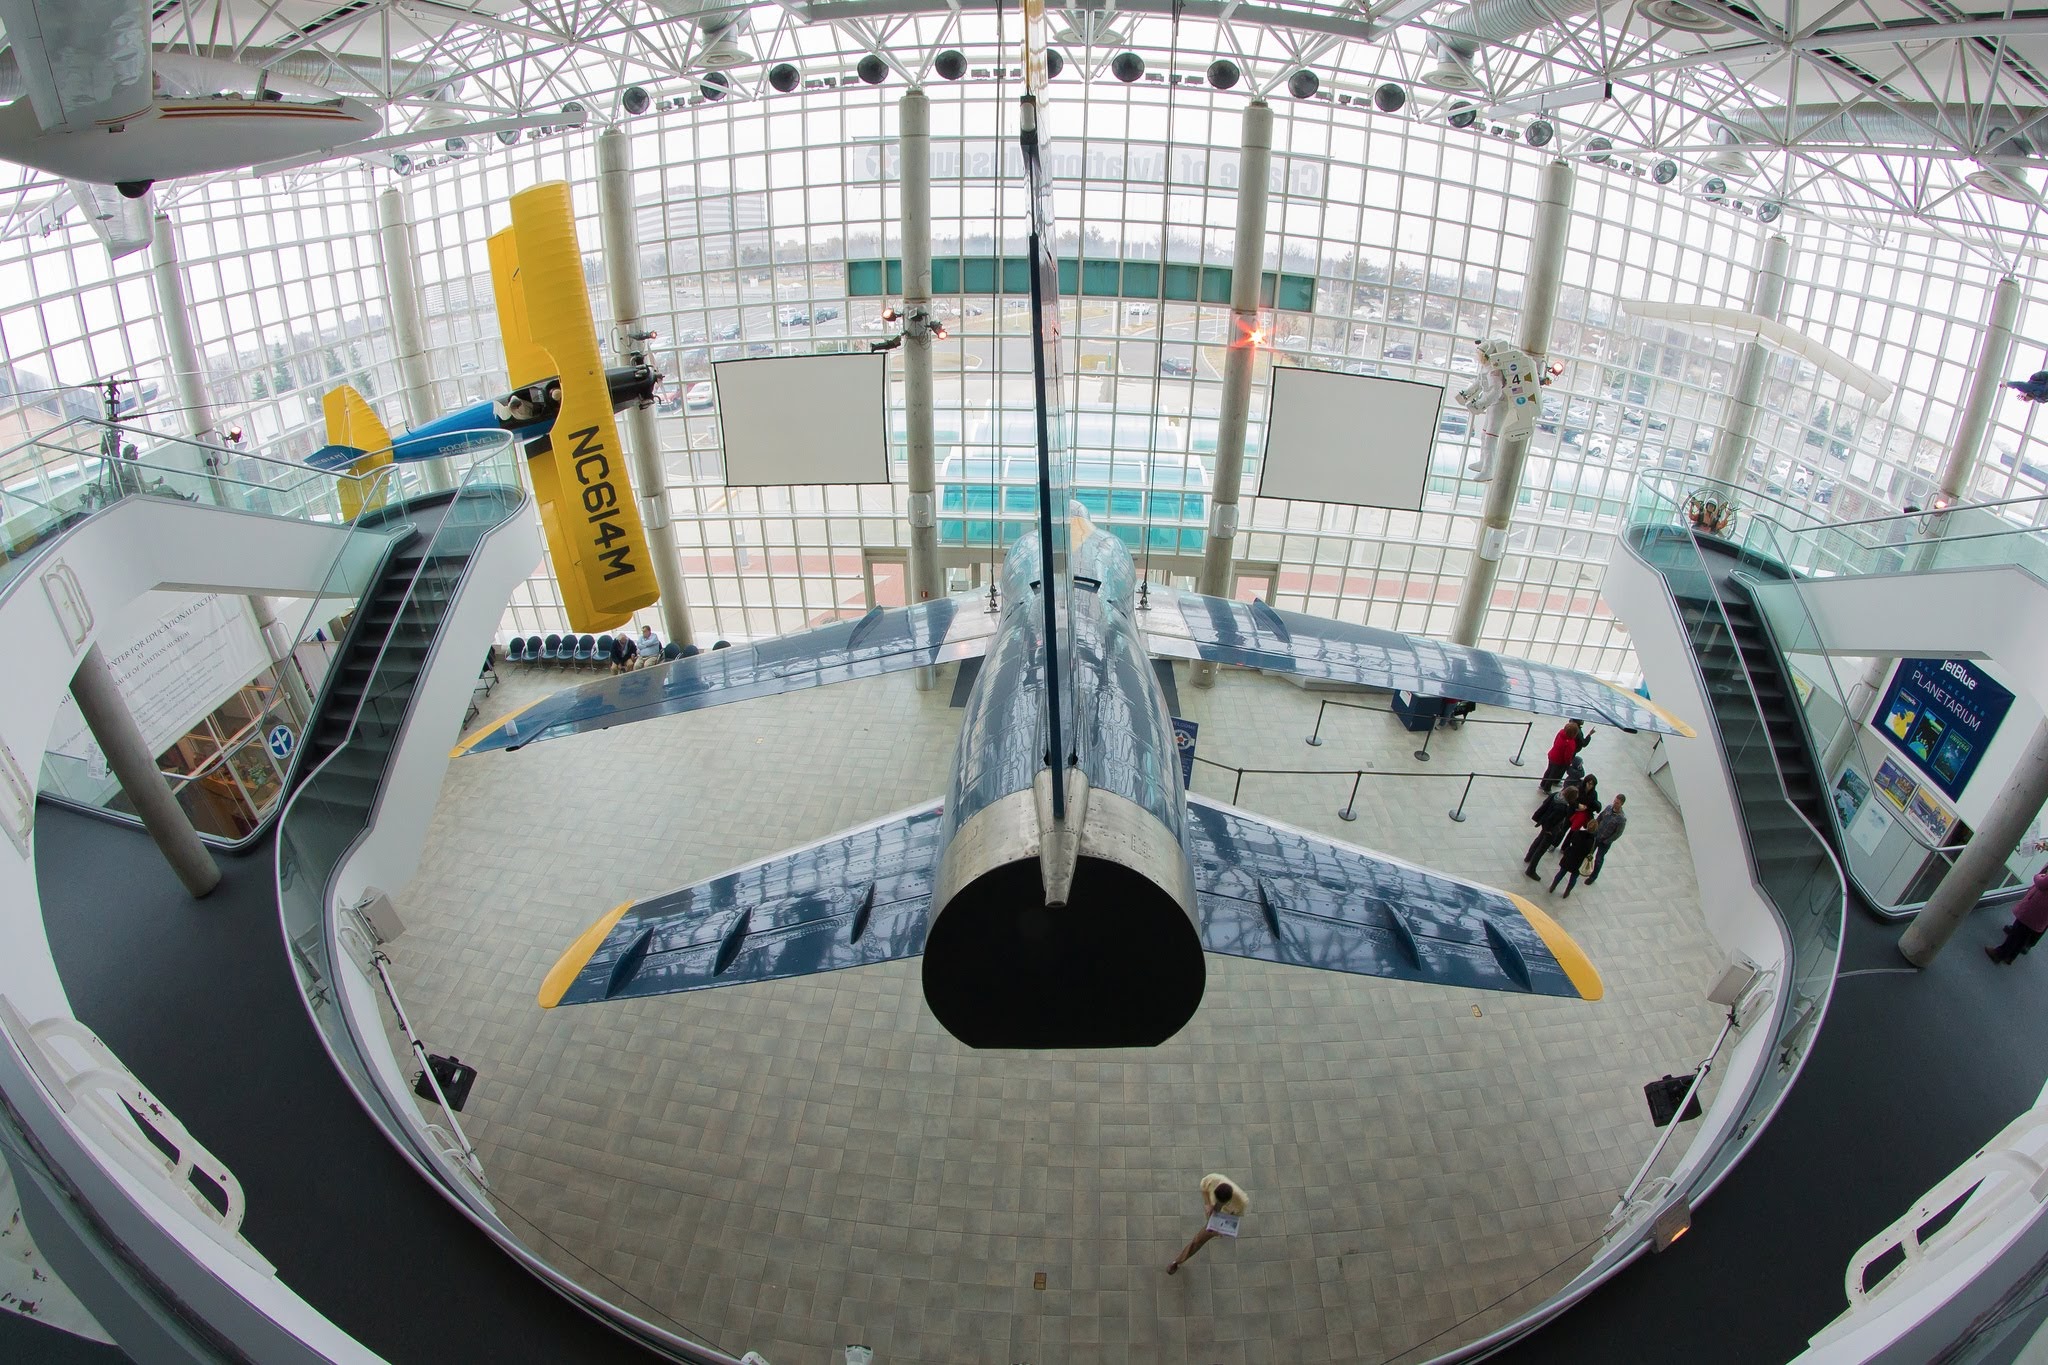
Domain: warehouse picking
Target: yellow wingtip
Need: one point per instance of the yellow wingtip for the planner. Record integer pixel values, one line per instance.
(1674, 722)
(1579, 968)
(483, 732)
(576, 957)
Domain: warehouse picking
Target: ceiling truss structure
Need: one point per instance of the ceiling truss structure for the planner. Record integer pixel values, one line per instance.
(1878, 116)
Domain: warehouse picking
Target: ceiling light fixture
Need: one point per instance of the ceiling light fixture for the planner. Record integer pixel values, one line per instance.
(1304, 84)
(1681, 16)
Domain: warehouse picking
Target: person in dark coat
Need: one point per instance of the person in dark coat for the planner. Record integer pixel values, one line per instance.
(1576, 849)
(1563, 749)
(1613, 823)
(1589, 793)
(1553, 822)
(2029, 922)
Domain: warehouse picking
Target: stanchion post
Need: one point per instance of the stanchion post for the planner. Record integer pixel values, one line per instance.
(1350, 811)
(1459, 813)
(1422, 754)
(1316, 739)
(1237, 787)
(1527, 726)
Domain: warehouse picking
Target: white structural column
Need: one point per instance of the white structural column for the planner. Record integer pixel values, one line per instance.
(617, 216)
(1981, 860)
(408, 327)
(1994, 351)
(120, 739)
(1539, 307)
(914, 130)
(174, 312)
(1766, 299)
(1247, 271)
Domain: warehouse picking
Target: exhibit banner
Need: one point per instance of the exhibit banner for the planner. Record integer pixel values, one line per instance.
(175, 656)
(1942, 714)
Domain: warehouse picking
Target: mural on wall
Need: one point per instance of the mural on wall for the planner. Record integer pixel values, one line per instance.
(1941, 714)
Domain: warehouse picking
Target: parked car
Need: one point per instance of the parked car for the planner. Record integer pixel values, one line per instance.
(825, 315)
(1176, 365)
(697, 398)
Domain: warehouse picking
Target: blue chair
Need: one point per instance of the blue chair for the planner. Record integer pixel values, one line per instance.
(691, 651)
(607, 651)
(553, 649)
(584, 648)
(721, 644)
(670, 652)
(533, 649)
(516, 651)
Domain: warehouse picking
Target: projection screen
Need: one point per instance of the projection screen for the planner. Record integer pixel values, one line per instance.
(1348, 438)
(804, 419)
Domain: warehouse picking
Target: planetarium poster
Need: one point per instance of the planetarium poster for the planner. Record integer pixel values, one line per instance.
(1942, 714)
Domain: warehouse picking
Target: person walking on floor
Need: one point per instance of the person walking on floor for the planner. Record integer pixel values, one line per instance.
(1613, 824)
(1553, 822)
(1575, 855)
(1563, 749)
(2029, 922)
(1224, 1202)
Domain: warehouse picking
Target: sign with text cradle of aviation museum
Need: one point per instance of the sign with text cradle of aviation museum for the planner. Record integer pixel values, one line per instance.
(1942, 714)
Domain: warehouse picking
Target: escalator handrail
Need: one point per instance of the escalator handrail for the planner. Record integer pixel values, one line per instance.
(405, 1140)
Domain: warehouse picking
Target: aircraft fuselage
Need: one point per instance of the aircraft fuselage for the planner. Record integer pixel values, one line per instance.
(1080, 930)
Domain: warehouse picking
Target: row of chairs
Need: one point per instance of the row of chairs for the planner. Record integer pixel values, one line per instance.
(585, 649)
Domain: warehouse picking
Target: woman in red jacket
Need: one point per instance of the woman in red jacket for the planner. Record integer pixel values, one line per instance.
(1572, 738)
(2029, 922)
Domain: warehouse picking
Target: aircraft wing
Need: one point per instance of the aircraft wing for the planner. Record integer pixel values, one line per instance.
(885, 640)
(851, 900)
(1278, 894)
(84, 63)
(1188, 625)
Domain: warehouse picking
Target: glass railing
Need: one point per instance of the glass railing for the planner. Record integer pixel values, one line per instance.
(1967, 536)
(324, 817)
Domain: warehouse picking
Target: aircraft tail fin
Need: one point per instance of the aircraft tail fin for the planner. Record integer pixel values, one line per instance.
(355, 440)
(1053, 473)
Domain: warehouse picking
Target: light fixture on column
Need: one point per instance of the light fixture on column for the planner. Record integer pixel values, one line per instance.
(783, 77)
(1598, 150)
(1304, 84)
(714, 85)
(1388, 97)
(872, 69)
(1539, 133)
(634, 99)
(1223, 73)
(508, 137)
(1664, 172)
(1713, 189)
(1127, 67)
(950, 64)
(1463, 115)
(1769, 213)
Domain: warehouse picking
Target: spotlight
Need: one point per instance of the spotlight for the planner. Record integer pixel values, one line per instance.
(508, 137)
(401, 163)
(1464, 115)
(456, 146)
(1713, 189)
(872, 69)
(1539, 133)
(1671, 1225)
(1054, 63)
(1223, 73)
(573, 107)
(950, 64)
(1304, 84)
(783, 77)
(1598, 150)
(635, 99)
(1127, 67)
(1664, 172)
(714, 85)
(1388, 98)
(1768, 213)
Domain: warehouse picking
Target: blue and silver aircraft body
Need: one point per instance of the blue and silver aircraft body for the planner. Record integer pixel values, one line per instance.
(528, 413)
(1065, 891)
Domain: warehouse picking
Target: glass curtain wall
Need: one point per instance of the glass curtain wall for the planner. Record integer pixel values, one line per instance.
(768, 223)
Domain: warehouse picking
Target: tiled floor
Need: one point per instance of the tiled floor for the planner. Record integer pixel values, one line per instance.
(795, 1166)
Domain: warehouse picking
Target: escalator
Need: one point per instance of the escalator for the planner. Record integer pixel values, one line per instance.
(1770, 758)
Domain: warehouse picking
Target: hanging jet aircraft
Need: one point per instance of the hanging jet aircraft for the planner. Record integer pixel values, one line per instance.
(103, 107)
(1065, 890)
